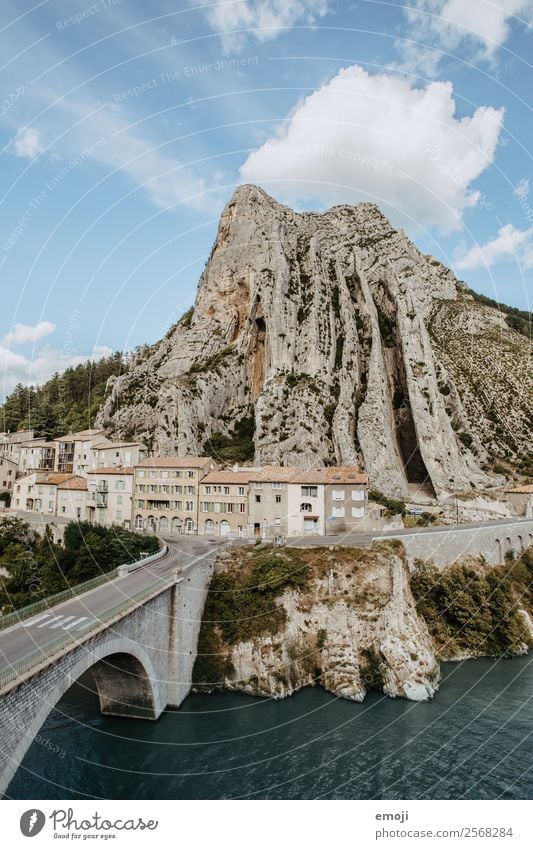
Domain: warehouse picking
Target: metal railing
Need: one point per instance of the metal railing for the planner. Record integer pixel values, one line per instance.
(50, 601)
(17, 616)
(66, 641)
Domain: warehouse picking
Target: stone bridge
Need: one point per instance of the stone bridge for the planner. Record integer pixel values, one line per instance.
(141, 657)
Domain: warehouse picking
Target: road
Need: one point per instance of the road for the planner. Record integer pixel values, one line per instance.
(77, 614)
(356, 539)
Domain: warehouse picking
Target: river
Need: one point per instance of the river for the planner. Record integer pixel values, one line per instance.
(472, 741)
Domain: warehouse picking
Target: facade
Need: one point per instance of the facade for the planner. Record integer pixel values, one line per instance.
(11, 443)
(223, 503)
(37, 455)
(74, 451)
(109, 496)
(346, 495)
(293, 502)
(72, 499)
(37, 492)
(107, 454)
(268, 505)
(166, 490)
(521, 497)
(8, 473)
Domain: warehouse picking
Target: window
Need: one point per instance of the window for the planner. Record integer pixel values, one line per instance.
(63, 509)
(278, 499)
(164, 474)
(258, 485)
(358, 512)
(152, 473)
(140, 474)
(258, 499)
(140, 504)
(178, 489)
(119, 499)
(119, 514)
(138, 523)
(189, 505)
(277, 523)
(217, 506)
(358, 495)
(177, 474)
(207, 490)
(190, 474)
(305, 508)
(191, 490)
(240, 490)
(226, 490)
(338, 512)
(176, 505)
(120, 485)
(204, 506)
(242, 508)
(276, 485)
(164, 488)
(230, 507)
(337, 495)
(310, 491)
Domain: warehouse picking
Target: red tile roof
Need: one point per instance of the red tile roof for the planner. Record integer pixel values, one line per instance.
(112, 470)
(75, 482)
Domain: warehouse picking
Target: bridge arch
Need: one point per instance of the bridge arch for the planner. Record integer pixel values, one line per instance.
(126, 682)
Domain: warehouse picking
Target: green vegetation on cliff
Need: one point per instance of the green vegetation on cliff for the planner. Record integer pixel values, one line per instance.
(241, 604)
(68, 402)
(37, 567)
(474, 611)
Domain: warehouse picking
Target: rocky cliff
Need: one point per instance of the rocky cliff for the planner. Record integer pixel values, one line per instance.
(343, 618)
(331, 338)
(352, 619)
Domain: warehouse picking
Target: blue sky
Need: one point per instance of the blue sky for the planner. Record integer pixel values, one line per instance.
(125, 127)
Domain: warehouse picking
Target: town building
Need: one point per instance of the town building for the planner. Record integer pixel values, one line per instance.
(106, 453)
(8, 473)
(223, 507)
(294, 502)
(109, 496)
(11, 443)
(521, 497)
(268, 504)
(37, 492)
(346, 496)
(166, 493)
(74, 451)
(72, 498)
(36, 455)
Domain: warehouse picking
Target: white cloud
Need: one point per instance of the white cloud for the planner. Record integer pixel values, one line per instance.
(28, 144)
(363, 137)
(22, 334)
(449, 24)
(522, 188)
(265, 19)
(508, 244)
(47, 360)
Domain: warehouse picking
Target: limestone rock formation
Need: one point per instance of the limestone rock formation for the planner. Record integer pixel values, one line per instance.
(342, 343)
(350, 627)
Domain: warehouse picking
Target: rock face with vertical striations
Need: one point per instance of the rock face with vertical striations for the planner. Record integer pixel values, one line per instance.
(335, 335)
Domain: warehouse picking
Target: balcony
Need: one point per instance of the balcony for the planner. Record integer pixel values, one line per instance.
(102, 486)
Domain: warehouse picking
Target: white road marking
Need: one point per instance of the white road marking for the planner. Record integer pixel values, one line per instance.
(75, 623)
(45, 624)
(62, 622)
(36, 619)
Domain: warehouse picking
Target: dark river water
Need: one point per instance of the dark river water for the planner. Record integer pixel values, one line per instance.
(472, 741)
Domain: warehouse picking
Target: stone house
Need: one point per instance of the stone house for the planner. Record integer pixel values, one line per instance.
(268, 502)
(37, 456)
(11, 444)
(521, 497)
(346, 495)
(37, 492)
(166, 493)
(8, 473)
(72, 498)
(74, 451)
(106, 454)
(109, 496)
(223, 506)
